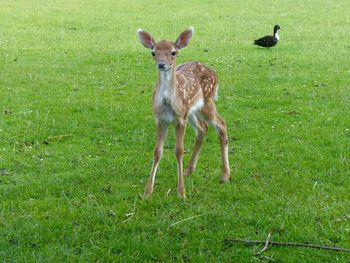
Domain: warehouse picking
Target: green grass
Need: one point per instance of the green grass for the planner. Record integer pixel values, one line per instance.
(76, 68)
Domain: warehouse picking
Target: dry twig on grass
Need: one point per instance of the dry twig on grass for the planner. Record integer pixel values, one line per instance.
(131, 214)
(186, 219)
(285, 244)
(267, 243)
(59, 137)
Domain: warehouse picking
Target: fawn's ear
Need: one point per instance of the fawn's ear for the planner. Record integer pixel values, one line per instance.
(146, 39)
(184, 38)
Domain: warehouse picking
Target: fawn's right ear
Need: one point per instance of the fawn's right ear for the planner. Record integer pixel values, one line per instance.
(146, 39)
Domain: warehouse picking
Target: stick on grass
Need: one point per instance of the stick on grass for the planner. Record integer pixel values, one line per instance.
(267, 243)
(286, 244)
(186, 219)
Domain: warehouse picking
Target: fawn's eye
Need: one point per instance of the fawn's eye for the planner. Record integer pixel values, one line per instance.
(153, 53)
(173, 53)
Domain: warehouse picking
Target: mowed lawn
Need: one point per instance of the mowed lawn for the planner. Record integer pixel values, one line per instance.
(77, 132)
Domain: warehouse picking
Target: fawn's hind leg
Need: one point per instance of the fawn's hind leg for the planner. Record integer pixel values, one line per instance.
(201, 128)
(219, 124)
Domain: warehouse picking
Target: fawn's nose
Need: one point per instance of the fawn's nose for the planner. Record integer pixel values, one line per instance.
(161, 65)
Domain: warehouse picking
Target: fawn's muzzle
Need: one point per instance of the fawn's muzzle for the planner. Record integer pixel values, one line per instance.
(161, 65)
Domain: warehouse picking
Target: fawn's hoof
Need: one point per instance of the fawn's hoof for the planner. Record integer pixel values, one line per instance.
(182, 196)
(225, 179)
(147, 194)
(181, 193)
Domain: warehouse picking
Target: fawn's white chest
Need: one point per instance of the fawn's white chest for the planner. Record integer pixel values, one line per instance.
(162, 98)
(165, 100)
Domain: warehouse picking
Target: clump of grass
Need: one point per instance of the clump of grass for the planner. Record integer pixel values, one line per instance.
(77, 132)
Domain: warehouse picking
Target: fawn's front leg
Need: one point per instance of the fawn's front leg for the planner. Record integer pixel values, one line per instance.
(179, 153)
(158, 153)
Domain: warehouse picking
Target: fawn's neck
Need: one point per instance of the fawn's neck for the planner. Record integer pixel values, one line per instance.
(167, 81)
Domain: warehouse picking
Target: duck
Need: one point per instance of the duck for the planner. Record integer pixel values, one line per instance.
(269, 41)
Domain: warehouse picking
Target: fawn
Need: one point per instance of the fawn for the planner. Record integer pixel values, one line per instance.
(186, 93)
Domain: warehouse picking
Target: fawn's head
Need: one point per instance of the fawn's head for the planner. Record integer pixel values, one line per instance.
(164, 52)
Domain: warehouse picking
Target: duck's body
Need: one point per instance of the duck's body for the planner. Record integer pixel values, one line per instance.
(269, 41)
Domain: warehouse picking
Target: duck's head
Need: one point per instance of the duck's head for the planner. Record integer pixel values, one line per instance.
(277, 27)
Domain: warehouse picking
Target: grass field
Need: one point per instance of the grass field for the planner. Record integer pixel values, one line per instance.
(77, 132)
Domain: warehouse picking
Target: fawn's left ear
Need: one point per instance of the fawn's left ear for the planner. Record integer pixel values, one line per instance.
(146, 39)
(184, 38)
